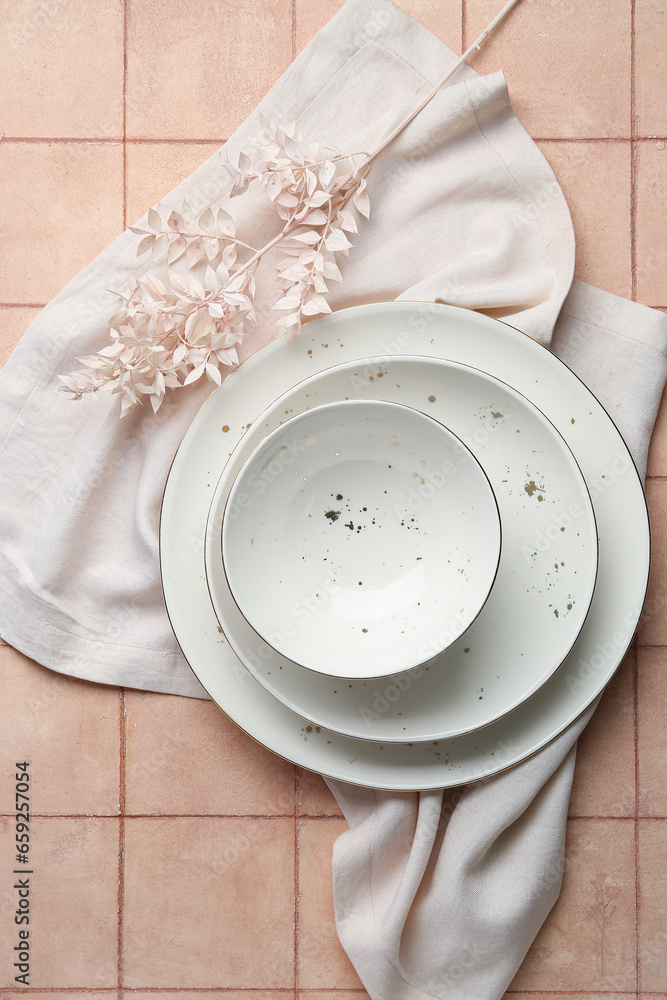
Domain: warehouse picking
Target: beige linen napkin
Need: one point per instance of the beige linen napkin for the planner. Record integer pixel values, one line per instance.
(436, 895)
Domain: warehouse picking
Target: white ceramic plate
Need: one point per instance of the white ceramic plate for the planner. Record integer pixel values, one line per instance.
(545, 580)
(472, 339)
(330, 562)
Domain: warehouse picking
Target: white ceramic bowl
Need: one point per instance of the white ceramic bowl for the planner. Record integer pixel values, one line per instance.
(357, 534)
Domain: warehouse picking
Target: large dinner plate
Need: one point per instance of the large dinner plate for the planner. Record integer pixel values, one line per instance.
(471, 339)
(545, 579)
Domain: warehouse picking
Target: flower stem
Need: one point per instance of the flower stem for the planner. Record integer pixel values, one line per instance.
(440, 84)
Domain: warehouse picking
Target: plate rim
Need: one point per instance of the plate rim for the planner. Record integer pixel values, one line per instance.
(538, 414)
(445, 777)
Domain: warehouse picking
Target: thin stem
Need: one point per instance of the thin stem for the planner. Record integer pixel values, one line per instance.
(402, 124)
(267, 246)
(204, 236)
(440, 84)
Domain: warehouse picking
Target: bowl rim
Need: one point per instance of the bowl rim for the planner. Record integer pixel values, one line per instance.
(279, 431)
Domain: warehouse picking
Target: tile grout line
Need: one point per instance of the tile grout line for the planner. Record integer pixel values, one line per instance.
(297, 792)
(203, 141)
(43, 305)
(126, 815)
(122, 783)
(464, 25)
(634, 153)
(637, 808)
(117, 140)
(321, 817)
(635, 699)
(293, 29)
(125, 26)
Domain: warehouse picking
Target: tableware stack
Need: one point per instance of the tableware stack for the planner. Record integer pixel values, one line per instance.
(408, 550)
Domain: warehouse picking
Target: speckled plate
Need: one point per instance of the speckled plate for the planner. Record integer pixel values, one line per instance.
(545, 579)
(471, 339)
(335, 559)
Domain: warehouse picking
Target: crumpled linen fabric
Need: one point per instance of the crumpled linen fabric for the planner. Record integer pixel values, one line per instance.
(437, 894)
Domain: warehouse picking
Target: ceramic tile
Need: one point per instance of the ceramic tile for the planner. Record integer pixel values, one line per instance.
(62, 69)
(652, 738)
(195, 71)
(103, 994)
(653, 628)
(210, 994)
(652, 905)
(322, 961)
(69, 731)
(651, 237)
(314, 797)
(73, 926)
(567, 63)
(657, 455)
(588, 940)
(154, 169)
(569, 996)
(185, 756)
(595, 178)
(209, 903)
(14, 321)
(62, 205)
(604, 778)
(444, 20)
(650, 67)
(359, 994)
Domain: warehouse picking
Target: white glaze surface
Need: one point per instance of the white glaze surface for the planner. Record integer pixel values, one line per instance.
(331, 561)
(545, 581)
(469, 338)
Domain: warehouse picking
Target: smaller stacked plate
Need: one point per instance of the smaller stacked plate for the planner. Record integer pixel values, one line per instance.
(474, 695)
(537, 605)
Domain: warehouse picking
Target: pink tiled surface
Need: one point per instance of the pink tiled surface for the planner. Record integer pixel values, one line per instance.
(172, 852)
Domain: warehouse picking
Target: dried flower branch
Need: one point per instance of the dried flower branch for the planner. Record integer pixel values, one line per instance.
(169, 334)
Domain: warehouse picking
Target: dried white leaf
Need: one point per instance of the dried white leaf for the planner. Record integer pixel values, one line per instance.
(206, 221)
(327, 174)
(145, 244)
(346, 221)
(175, 222)
(229, 255)
(311, 236)
(196, 251)
(336, 240)
(316, 218)
(361, 202)
(332, 271)
(288, 302)
(176, 249)
(225, 223)
(195, 374)
(213, 373)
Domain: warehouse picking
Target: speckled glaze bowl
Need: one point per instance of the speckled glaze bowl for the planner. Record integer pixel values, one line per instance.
(361, 538)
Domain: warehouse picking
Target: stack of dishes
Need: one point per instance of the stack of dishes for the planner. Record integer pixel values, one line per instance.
(407, 551)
